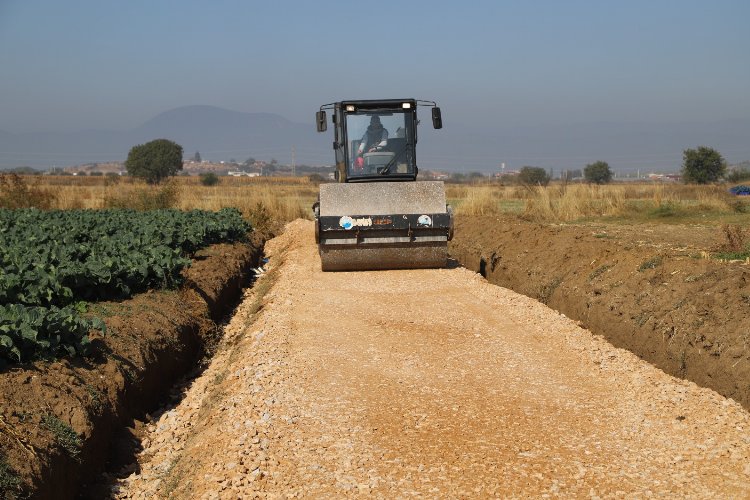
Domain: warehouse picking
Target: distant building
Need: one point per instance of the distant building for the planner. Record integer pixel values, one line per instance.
(665, 177)
(240, 173)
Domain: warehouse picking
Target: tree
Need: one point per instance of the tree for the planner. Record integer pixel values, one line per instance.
(533, 176)
(739, 172)
(197, 157)
(702, 165)
(598, 172)
(155, 160)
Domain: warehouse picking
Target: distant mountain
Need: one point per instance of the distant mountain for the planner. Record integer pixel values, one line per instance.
(214, 130)
(220, 134)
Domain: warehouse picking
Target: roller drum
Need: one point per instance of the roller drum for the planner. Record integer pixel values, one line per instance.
(383, 225)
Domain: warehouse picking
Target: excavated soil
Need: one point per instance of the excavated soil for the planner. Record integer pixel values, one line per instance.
(430, 383)
(62, 421)
(647, 288)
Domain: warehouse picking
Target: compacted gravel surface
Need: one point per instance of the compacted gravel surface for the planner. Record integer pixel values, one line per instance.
(431, 383)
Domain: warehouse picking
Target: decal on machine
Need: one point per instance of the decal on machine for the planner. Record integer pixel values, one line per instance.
(348, 222)
(424, 220)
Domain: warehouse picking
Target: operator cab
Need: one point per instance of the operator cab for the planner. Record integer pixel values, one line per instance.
(375, 140)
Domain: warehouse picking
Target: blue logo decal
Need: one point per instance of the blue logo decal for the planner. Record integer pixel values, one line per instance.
(424, 220)
(346, 222)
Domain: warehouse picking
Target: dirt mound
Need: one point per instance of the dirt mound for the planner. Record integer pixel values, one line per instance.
(646, 288)
(58, 419)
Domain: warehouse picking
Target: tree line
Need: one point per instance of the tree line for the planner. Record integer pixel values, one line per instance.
(702, 165)
(162, 158)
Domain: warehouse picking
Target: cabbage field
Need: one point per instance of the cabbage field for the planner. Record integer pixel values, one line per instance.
(53, 263)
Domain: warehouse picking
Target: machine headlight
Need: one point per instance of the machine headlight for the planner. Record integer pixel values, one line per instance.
(350, 108)
(406, 105)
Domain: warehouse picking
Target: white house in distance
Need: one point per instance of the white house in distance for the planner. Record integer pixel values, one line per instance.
(240, 173)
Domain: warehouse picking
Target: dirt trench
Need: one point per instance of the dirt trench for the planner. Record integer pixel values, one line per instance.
(61, 422)
(433, 383)
(648, 288)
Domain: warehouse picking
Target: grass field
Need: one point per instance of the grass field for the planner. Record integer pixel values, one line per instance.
(613, 202)
(274, 200)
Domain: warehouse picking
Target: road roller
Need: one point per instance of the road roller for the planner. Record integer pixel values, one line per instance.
(377, 215)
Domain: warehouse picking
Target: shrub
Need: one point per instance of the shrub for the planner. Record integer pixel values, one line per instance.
(16, 193)
(739, 173)
(209, 179)
(149, 198)
(110, 179)
(66, 437)
(260, 218)
(651, 263)
(10, 483)
(534, 176)
(598, 172)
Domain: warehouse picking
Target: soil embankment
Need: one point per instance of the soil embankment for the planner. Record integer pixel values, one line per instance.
(645, 288)
(58, 420)
(429, 383)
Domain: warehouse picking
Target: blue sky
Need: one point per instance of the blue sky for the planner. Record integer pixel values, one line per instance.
(78, 64)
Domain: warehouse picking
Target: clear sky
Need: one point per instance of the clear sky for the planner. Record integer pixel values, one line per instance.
(80, 64)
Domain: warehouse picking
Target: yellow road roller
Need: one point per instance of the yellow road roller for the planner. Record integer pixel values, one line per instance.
(378, 215)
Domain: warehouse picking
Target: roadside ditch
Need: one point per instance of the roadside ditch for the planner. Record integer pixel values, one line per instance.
(646, 288)
(63, 423)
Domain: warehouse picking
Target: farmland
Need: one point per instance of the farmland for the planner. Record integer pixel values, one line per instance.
(54, 262)
(658, 269)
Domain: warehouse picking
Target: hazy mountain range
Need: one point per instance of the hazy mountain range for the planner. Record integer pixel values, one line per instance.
(220, 134)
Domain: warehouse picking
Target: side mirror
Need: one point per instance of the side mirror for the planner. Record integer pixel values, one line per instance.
(437, 120)
(320, 119)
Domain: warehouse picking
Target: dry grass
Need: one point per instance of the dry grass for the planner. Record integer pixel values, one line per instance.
(479, 200)
(566, 203)
(284, 200)
(271, 201)
(280, 199)
(485, 200)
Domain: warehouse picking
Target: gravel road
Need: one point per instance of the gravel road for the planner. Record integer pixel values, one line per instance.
(433, 383)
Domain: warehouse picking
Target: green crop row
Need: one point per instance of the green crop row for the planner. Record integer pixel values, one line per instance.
(51, 261)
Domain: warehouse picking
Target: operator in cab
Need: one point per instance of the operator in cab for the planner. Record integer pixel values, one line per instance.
(374, 138)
